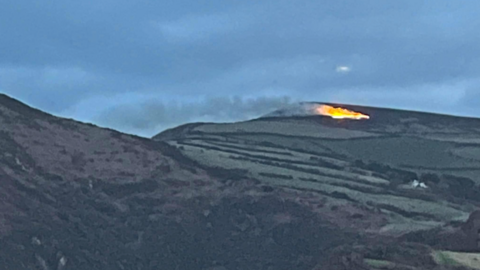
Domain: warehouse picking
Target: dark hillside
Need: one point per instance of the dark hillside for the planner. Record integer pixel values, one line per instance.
(272, 193)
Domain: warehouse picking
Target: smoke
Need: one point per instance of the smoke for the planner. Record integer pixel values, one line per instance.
(147, 118)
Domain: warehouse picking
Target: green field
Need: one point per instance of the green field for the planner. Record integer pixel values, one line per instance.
(304, 155)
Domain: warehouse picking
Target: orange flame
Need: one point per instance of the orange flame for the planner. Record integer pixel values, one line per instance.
(340, 113)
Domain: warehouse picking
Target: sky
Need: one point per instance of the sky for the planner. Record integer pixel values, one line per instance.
(143, 66)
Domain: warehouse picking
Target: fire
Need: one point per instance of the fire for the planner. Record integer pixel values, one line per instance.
(340, 113)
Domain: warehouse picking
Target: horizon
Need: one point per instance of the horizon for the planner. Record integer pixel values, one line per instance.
(144, 67)
(342, 105)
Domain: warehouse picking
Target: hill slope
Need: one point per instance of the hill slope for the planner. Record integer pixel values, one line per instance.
(272, 193)
(368, 164)
(76, 196)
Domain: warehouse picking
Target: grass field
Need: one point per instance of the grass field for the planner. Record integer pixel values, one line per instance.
(309, 154)
(470, 260)
(283, 172)
(405, 151)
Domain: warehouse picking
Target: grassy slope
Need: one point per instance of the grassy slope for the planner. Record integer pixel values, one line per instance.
(319, 155)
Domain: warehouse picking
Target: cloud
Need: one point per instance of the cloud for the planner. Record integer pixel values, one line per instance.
(471, 99)
(62, 56)
(196, 28)
(50, 88)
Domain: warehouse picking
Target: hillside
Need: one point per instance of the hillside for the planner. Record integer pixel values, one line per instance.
(369, 163)
(363, 172)
(278, 192)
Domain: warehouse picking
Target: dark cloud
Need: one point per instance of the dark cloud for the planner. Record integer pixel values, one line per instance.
(58, 55)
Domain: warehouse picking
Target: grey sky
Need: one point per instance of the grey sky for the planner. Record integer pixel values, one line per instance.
(142, 66)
